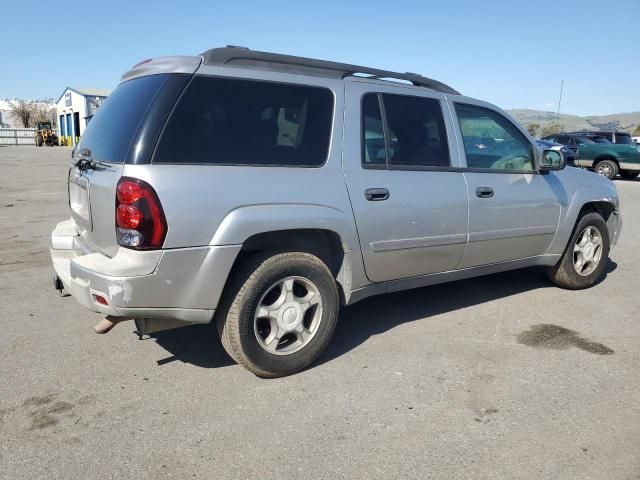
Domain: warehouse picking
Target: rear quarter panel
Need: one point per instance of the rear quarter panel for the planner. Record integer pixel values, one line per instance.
(225, 205)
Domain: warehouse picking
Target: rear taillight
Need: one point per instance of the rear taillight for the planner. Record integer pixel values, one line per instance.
(140, 221)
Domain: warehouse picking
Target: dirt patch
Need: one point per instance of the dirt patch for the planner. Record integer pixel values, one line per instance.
(553, 337)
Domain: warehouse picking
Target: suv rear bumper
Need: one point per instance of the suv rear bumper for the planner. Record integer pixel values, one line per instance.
(182, 284)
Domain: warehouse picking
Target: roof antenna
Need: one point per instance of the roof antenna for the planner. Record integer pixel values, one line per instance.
(559, 102)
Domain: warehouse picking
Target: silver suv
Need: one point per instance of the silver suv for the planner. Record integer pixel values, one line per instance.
(263, 191)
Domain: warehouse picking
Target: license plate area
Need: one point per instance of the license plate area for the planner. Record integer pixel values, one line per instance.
(79, 199)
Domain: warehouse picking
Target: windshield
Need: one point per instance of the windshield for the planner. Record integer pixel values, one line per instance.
(109, 135)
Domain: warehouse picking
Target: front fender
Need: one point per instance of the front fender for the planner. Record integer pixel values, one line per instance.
(569, 213)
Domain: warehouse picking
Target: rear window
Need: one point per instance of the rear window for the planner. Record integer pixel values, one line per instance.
(112, 128)
(246, 122)
(624, 138)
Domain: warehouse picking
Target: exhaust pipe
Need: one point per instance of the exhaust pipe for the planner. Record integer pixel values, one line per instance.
(107, 323)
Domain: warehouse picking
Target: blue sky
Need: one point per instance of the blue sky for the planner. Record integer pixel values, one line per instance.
(509, 52)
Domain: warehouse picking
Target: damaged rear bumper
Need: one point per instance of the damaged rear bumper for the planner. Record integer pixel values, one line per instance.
(181, 284)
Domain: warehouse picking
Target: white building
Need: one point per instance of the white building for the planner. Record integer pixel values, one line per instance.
(75, 108)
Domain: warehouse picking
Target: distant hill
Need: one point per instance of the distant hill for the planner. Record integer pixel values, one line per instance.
(620, 121)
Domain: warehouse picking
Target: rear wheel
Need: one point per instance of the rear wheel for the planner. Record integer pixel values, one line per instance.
(585, 257)
(39, 140)
(279, 312)
(629, 174)
(606, 168)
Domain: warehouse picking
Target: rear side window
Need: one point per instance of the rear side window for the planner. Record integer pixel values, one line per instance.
(246, 122)
(373, 148)
(415, 132)
(623, 138)
(109, 135)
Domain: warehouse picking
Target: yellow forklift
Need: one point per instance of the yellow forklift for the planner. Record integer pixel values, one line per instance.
(45, 135)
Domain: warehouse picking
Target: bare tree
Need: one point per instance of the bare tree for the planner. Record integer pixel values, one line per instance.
(551, 129)
(533, 128)
(23, 111)
(44, 111)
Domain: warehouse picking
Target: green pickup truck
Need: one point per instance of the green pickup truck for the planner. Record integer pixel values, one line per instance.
(597, 153)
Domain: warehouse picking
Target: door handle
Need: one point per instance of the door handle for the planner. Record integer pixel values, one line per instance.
(376, 194)
(484, 192)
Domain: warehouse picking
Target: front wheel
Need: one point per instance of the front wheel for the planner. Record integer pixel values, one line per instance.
(629, 174)
(279, 312)
(606, 168)
(39, 140)
(585, 257)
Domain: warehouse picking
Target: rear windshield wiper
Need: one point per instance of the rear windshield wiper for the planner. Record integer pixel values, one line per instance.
(85, 162)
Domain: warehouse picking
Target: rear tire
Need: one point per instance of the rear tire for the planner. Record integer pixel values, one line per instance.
(39, 140)
(589, 243)
(629, 174)
(274, 338)
(606, 168)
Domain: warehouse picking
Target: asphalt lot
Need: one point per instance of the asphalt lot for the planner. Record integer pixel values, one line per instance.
(497, 377)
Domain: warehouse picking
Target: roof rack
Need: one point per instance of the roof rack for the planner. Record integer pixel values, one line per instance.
(243, 57)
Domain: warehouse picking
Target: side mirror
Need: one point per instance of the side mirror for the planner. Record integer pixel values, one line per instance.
(552, 160)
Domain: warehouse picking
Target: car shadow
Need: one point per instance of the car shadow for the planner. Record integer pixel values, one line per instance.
(200, 345)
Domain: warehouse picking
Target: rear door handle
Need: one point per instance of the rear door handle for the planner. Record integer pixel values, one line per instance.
(484, 192)
(376, 194)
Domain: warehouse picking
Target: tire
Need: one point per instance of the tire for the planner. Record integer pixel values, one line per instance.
(245, 335)
(629, 174)
(565, 273)
(606, 168)
(39, 140)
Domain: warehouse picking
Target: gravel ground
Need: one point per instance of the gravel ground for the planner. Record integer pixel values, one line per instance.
(497, 377)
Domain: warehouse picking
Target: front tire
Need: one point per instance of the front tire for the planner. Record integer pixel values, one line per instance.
(585, 257)
(39, 140)
(278, 313)
(606, 168)
(629, 174)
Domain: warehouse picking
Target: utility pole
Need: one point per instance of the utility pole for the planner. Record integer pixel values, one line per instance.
(559, 102)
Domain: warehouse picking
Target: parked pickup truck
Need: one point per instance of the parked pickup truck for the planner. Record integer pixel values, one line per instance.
(262, 191)
(597, 153)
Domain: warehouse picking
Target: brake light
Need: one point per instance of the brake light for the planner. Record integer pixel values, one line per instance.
(140, 221)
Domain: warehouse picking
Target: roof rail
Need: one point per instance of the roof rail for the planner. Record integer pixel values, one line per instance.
(243, 57)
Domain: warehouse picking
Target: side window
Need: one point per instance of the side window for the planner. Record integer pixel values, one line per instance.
(491, 141)
(373, 149)
(416, 131)
(246, 122)
(415, 135)
(563, 139)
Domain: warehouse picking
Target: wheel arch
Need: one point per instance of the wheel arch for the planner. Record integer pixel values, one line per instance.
(584, 200)
(606, 156)
(326, 232)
